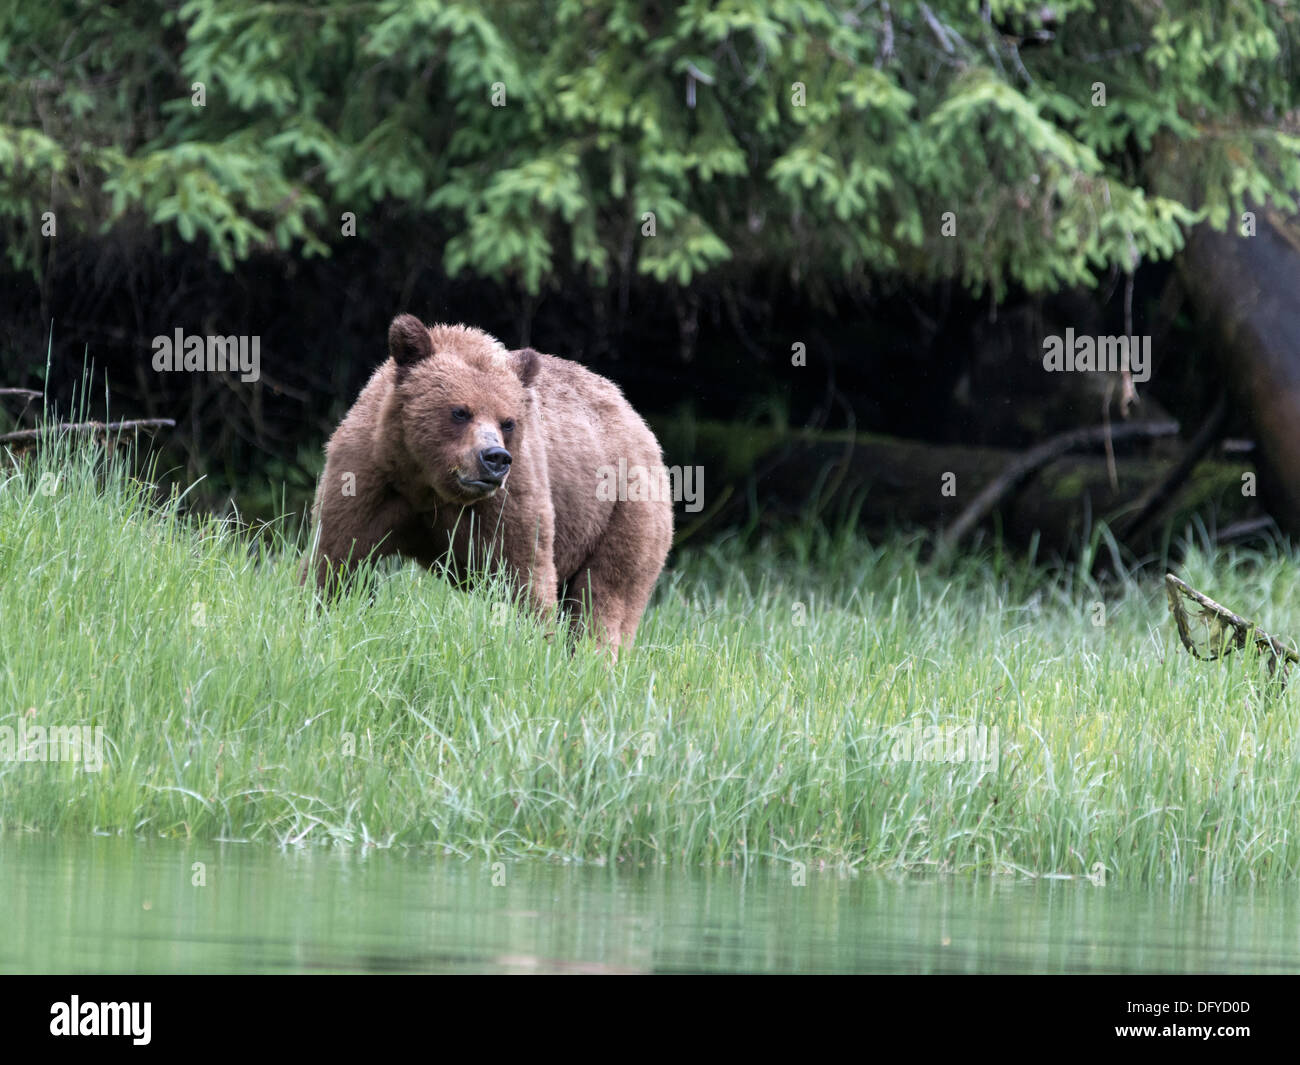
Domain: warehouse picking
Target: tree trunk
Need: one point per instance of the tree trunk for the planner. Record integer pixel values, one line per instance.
(1248, 288)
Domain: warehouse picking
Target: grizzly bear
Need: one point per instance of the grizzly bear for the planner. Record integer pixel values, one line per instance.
(462, 452)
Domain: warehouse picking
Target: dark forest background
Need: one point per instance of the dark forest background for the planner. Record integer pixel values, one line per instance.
(681, 196)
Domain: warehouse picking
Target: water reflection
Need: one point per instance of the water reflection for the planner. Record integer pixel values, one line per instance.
(114, 905)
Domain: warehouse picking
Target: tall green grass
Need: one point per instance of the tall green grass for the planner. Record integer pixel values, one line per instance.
(754, 722)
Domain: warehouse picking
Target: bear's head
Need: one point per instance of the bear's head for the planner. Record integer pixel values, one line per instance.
(464, 402)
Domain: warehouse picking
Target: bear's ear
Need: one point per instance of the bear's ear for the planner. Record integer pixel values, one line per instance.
(527, 363)
(408, 340)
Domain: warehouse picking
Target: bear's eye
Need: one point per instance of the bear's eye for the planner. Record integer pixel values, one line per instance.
(508, 426)
(459, 414)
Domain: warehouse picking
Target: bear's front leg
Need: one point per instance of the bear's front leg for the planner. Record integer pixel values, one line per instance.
(354, 522)
(529, 557)
(542, 590)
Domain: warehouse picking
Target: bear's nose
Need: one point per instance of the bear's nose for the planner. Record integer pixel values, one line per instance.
(495, 462)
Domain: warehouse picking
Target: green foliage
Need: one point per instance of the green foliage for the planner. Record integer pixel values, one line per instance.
(825, 139)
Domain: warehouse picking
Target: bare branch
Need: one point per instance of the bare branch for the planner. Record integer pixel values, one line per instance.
(1024, 466)
(1226, 630)
(937, 28)
(25, 436)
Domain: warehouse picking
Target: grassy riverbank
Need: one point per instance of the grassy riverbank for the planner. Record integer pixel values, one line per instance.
(761, 717)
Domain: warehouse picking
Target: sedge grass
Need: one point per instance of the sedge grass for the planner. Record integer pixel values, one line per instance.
(757, 720)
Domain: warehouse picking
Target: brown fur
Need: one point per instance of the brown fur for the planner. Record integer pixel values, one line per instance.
(545, 525)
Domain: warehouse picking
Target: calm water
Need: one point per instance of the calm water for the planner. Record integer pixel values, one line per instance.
(111, 905)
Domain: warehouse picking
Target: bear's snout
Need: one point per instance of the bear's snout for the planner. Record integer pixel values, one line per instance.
(495, 464)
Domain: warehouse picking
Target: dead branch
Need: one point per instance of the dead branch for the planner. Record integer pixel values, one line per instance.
(1226, 630)
(1023, 467)
(1155, 497)
(937, 28)
(1244, 529)
(31, 436)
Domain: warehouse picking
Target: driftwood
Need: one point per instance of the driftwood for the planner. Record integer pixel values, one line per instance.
(31, 436)
(1226, 630)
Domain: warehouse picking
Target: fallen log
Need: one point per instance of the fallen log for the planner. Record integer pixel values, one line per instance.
(771, 478)
(1023, 467)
